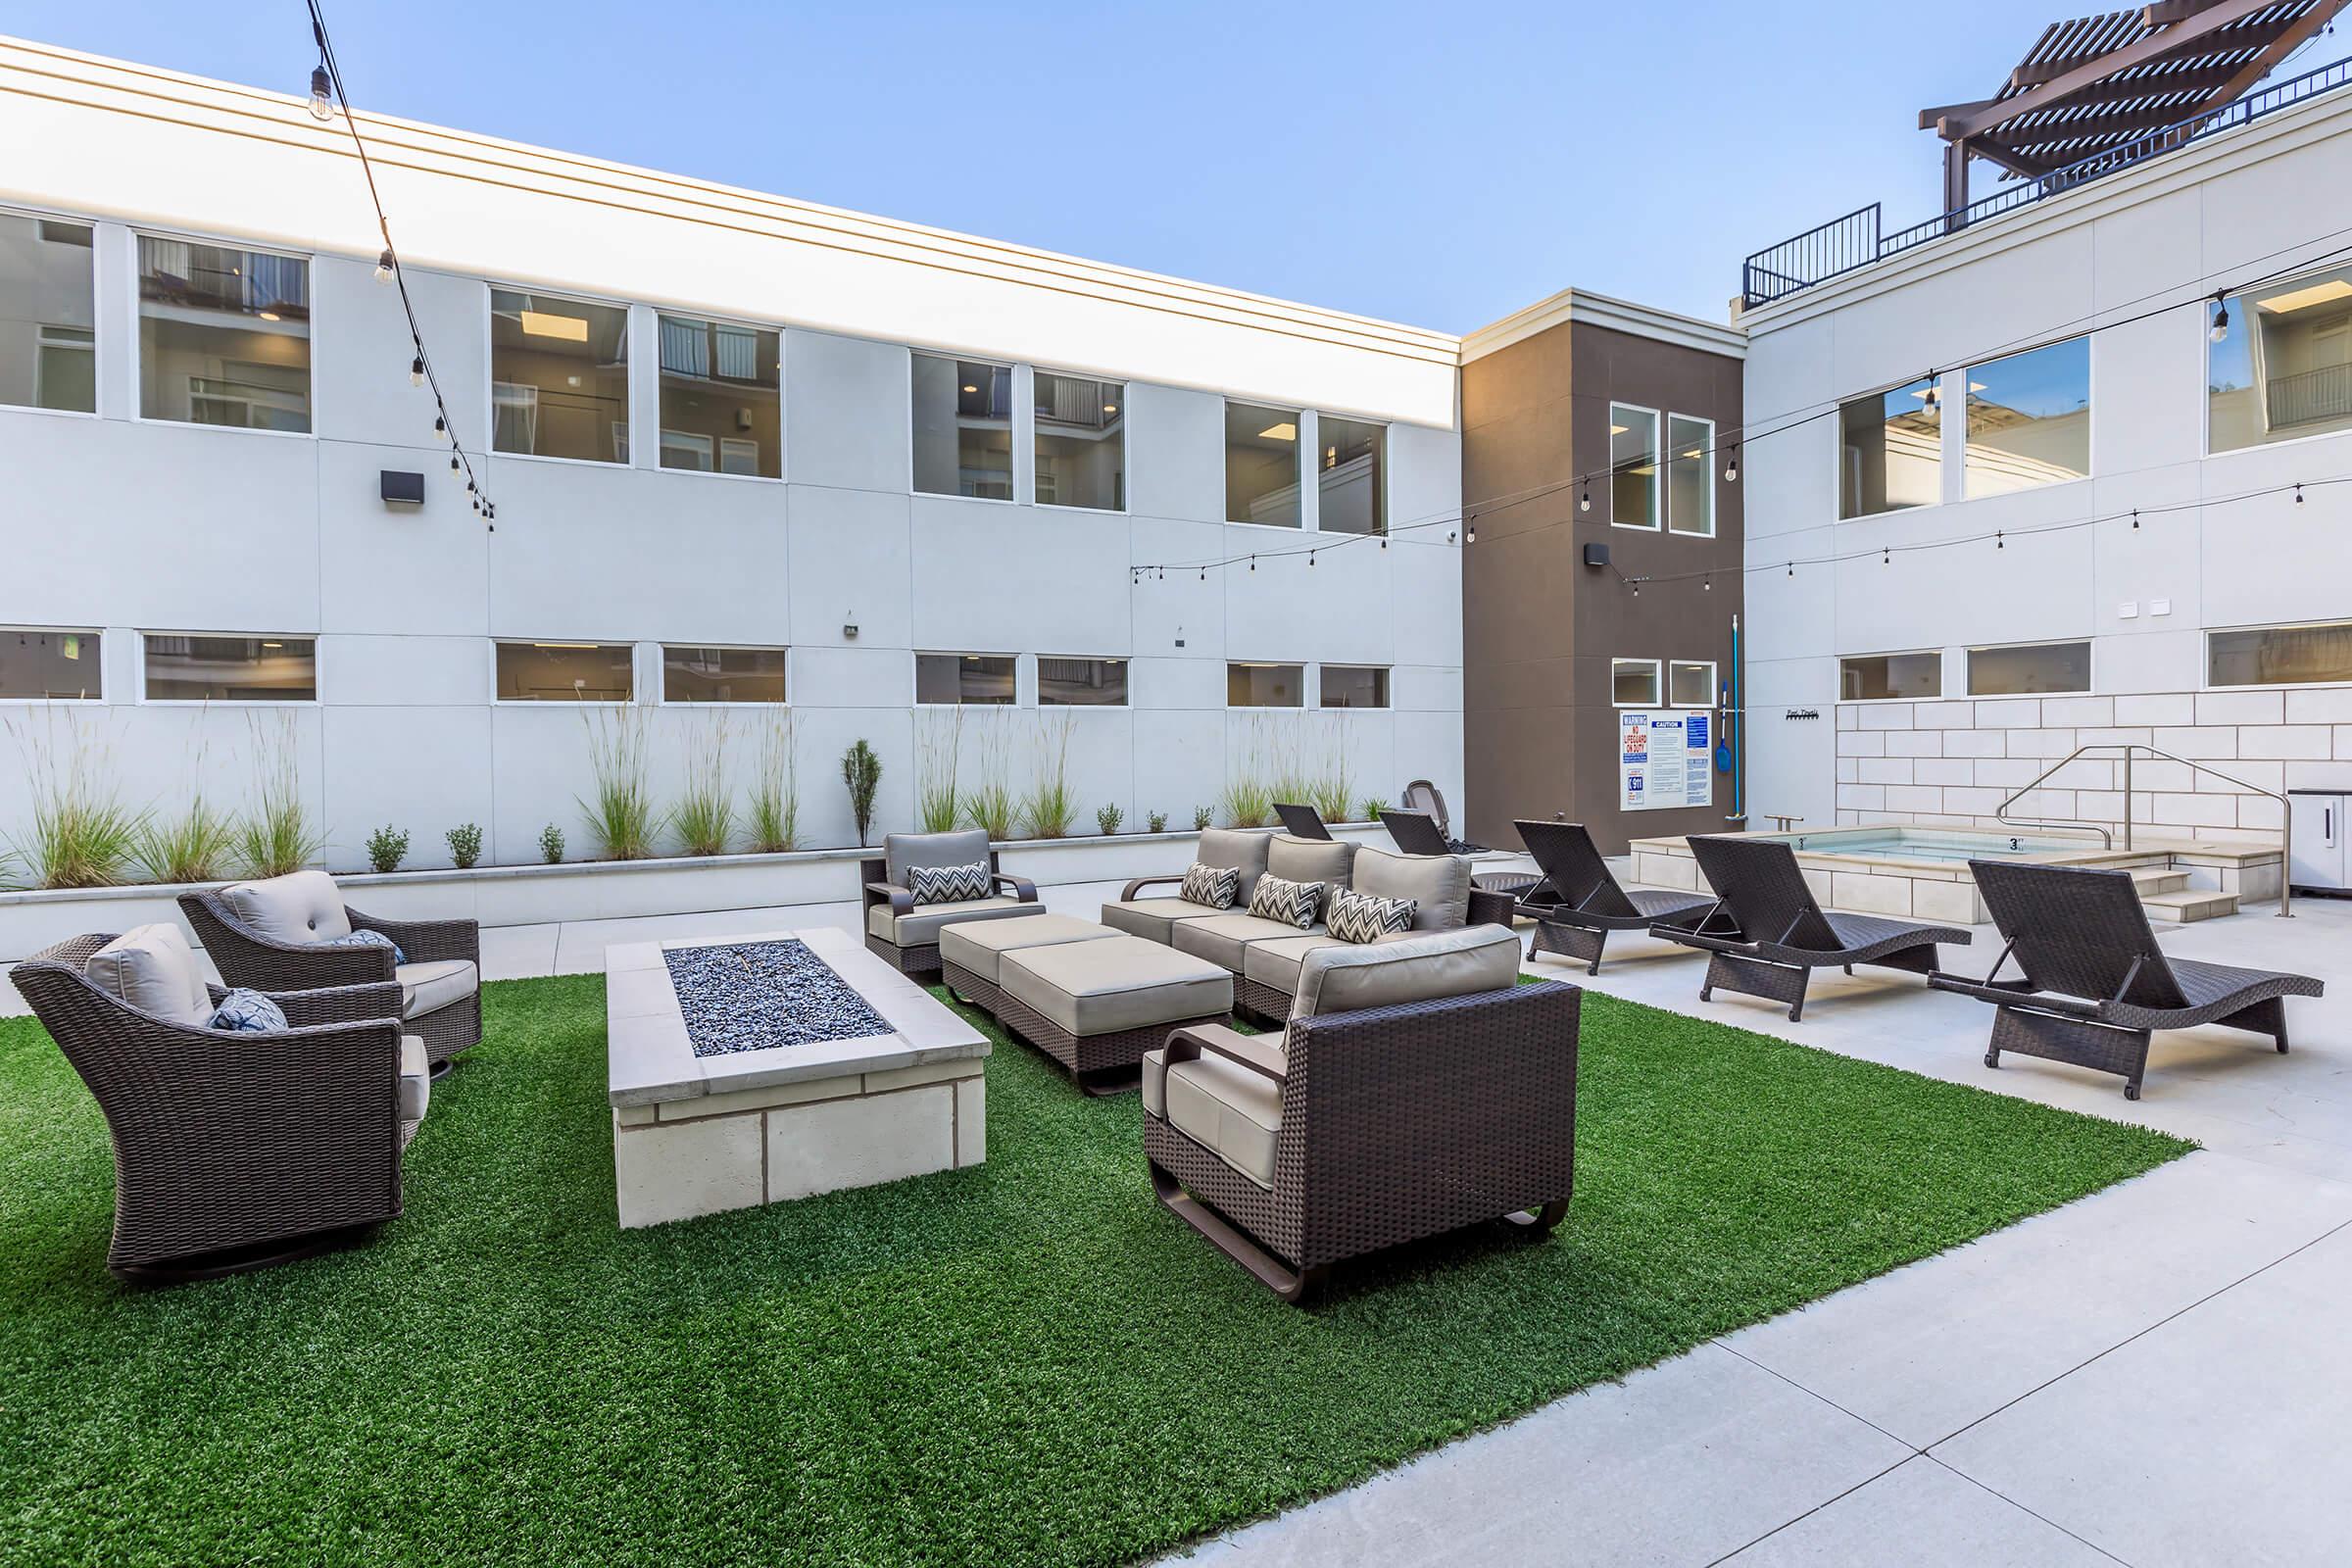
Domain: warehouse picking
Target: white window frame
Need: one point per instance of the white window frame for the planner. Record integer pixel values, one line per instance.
(2210, 632)
(1389, 670)
(1387, 454)
(718, 451)
(1657, 489)
(1300, 664)
(1957, 483)
(662, 649)
(1657, 682)
(97, 634)
(1125, 660)
(626, 446)
(1944, 457)
(1935, 654)
(636, 697)
(2237, 323)
(98, 387)
(915, 655)
(1015, 425)
(1968, 670)
(138, 366)
(317, 642)
(1126, 474)
(1673, 664)
(1707, 475)
(1298, 464)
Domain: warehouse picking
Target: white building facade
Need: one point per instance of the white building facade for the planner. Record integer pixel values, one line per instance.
(2092, 533)
(747, 455)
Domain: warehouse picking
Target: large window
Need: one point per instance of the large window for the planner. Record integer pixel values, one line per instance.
(2028, 670)
(2029, 420)
(48, 341)
(558, 378)
(2278, 656)
(1690, 683)
(1081, 442)
(2284, 365)
(566, 672)
(1355, 686)
(1875, 677)
(962, 427)
(967, 680)
(1081, 682)
(1352, 476)
(231, 669)
(1254, 685)
(693, 675)
(1634, 682)
(1691, 477)
(225, 335)
(719, 398)
(1633, 466)
(1890, 451)
(48, 662)
(1261, 465)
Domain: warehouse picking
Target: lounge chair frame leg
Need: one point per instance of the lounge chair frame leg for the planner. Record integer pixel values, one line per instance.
(1757, 977)
(1571, 942)
(2078, 1042)
(1293, 1284)
(2261, 1018)
(241, 1260)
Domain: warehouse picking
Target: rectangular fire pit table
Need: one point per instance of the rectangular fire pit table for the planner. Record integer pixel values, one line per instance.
(759, 1068)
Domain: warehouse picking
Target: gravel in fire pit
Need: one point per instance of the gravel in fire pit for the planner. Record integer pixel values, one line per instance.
(757, 995)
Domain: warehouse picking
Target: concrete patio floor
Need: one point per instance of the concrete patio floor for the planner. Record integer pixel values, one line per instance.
(2150, 1376)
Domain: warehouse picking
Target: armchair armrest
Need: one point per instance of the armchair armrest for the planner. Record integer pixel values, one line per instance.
(1020, 887)
(333, 1004)
(1261, 1054)
(897, 898)
(1143, 882)
(424, 940)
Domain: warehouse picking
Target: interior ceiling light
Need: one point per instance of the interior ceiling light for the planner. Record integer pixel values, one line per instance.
(1618, 429)
(270, 316)
(1286, 430)
(1110, 407)
(2303, 299)
(569, 328)
(969, 387)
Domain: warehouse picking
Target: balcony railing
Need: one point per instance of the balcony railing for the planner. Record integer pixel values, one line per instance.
(1856, 241)
(2311, 397)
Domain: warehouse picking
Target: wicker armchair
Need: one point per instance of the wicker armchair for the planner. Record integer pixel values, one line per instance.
(1362, 1127)
(234, 1151)
(442, 1003)
(907, 933)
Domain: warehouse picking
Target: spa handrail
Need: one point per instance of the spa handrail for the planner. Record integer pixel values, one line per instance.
(2286, 817)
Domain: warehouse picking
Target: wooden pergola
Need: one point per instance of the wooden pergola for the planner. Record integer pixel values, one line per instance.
(2097, 83)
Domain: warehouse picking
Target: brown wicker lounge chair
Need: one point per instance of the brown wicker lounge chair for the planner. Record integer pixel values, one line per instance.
(1767, 935)
(1302, 821)
(905, 933)
(1578, 901)
(1415, 832)
(2096, 986)
(276, 935)
(234, 1150)
(1416, 1090)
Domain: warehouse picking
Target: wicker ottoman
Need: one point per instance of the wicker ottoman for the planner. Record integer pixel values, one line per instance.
(969, 950)
(1096, 1006)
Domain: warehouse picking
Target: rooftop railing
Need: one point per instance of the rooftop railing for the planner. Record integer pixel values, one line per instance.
(1856, 241)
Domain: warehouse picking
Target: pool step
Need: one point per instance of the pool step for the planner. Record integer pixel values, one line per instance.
(2181, 906)
(2158, 879)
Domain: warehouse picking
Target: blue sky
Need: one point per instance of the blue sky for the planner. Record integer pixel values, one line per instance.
(1436, 164)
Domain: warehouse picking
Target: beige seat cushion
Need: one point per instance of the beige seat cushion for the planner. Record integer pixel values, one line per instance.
(975, 946)
(919, 928)
(1123, 982)
(1153, 919)
(429, 987)
(151, 968)
(1437, 884)
(415, 1079)
(1277, 964)
(1296, 860)
(1226, 1108)
(1223, 938)
(298, 908)
(1414, 967)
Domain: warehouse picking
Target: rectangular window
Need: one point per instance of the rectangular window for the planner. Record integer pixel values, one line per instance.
(2029, 420)
(48, 317)
(1261, 465)
(722, 411)
(2284, 365)
(39, 662)
(1355, 686)
(1634, 682)
(949, 680)
(962, 427)
(560, 377)
(1254, 685)
(1081, 682)
(1352, 482)
(1890, 451)
(1081, 442)
(1690, 684)
(566, 672)
(2028, 670)
(1689, 477)
(224, 336)
(1876, 677)
(2279, 655)
(695, 674)
(231, 669)
(1633, 466)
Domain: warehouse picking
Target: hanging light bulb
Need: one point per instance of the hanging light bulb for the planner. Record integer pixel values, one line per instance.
(1470, 535)
(384, 267)
(440, 425)
(322, 95)
(2135, 520)
(2298, 495)
(1999, 543)
(1933, 401)
(452, 463)
(1731, 466)
(1636, 590)
(417, 371)
(1253, 562)
(1310, 558)
(1584, 502)
(2220, 317)
(1706, 584)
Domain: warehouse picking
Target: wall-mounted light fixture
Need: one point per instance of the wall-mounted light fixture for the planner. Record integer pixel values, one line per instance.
(400, 489)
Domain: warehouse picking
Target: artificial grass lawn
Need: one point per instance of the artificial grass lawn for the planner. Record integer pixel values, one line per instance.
(1024, 1362)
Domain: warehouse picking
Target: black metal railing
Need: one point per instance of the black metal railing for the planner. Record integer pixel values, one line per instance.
(2323, 394)
(1854, 241)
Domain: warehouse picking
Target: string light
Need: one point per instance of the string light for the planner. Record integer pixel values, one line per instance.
(1469, 535)
(1934, 377)
(1731, 467)
(2220, 317)
(1584, 502)
(323, 106)
(417, 371)
(384, 268)
(2298, 495)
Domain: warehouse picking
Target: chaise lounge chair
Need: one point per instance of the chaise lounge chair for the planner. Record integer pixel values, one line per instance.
(2095, 985)
(1415, 832)
(1578, 901)
(1767, 935)
(1302, 821)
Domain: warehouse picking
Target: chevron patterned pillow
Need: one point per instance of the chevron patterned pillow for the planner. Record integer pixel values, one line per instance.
(1217, 886)
(948, 884)
(1290, 902)
(1367, 918)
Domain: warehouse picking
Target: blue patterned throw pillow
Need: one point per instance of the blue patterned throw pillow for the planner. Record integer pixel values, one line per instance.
(1290, 902)
(242, 1010)
(368, 939)
(948, 884)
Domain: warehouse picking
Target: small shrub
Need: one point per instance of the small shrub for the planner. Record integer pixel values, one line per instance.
(621, 808)
(938, 740)
(705, 815)
(1202, 816)
(387, 846)
(1370, 808)
(862, 773)
(550, 844)
(775, 807)
(1158, 821)
(82, 835)
(1052, 805)
(991, 804)
(1108, 819)
(464, 845)
(276, 836)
